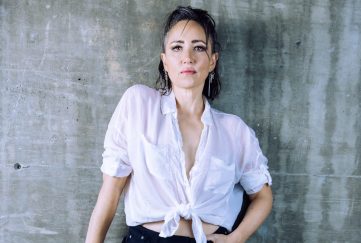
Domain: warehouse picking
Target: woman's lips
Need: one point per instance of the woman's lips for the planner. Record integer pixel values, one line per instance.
(188, 72)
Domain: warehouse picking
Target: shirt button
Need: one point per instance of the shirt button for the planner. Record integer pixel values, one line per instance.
(142, 237)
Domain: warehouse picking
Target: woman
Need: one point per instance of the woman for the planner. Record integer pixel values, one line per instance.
(183, 165)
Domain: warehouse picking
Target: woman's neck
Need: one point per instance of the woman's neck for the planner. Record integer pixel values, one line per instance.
(189, 102)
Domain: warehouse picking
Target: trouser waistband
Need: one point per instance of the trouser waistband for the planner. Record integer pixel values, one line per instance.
(140, 234)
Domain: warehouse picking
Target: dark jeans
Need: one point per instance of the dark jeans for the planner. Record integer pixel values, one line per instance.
(140, 234)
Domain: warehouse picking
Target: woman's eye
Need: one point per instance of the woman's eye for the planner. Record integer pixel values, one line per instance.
(176, 48)
(200, 48)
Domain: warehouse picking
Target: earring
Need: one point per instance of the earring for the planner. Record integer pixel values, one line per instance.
(166, 79)
(210, 80)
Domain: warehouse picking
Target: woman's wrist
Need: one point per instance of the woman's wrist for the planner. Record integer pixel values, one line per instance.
(237, 237)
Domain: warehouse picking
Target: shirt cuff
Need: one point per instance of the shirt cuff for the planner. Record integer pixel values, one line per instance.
(253, 181)
(115, 169)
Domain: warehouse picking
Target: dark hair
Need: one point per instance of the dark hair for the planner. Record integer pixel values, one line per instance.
(209, 26)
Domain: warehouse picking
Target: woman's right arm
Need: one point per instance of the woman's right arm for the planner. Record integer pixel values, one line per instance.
(105, 208)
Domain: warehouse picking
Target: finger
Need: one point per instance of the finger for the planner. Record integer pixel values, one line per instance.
(212, 237)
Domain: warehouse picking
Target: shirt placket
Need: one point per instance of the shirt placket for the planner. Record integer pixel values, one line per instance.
(187, 182)
(178, 135)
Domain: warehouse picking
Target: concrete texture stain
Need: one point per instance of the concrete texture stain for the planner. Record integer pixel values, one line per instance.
(327, 150)
(290, 69)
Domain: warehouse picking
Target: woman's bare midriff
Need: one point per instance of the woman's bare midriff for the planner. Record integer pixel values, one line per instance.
(184, 229)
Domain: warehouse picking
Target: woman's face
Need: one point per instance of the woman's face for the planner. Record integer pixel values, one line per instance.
(187, 59)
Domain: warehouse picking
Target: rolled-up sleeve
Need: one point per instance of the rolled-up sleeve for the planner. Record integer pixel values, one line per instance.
(254, 170)
(115, 156)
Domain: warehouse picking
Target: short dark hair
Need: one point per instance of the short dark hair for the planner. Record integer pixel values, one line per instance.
(208, 24)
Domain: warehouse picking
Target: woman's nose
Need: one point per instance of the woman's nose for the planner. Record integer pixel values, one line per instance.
(187, 57)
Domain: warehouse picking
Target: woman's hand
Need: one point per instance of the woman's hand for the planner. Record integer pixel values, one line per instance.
(219, 238)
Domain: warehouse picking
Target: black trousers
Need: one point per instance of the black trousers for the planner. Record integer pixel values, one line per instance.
(140, 234)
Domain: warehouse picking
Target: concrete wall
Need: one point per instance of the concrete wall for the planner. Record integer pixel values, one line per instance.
(291, 70)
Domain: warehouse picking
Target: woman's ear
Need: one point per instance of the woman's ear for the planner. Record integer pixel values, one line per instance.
(163, 58)
(214, 59)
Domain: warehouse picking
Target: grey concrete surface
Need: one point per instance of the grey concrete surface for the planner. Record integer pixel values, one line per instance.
(291, 70)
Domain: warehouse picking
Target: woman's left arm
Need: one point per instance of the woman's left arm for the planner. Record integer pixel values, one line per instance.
(258, 210)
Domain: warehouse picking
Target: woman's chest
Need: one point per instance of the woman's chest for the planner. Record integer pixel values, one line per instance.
(183, 160)
(190, 132)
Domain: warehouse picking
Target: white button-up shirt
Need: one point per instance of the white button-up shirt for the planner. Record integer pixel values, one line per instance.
(144, 140)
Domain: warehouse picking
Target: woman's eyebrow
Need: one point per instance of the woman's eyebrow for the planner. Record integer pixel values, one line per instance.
(193, 41)
(177, 41)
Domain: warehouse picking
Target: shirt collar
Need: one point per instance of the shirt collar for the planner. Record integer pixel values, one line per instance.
(168, 105)
(207, 118)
